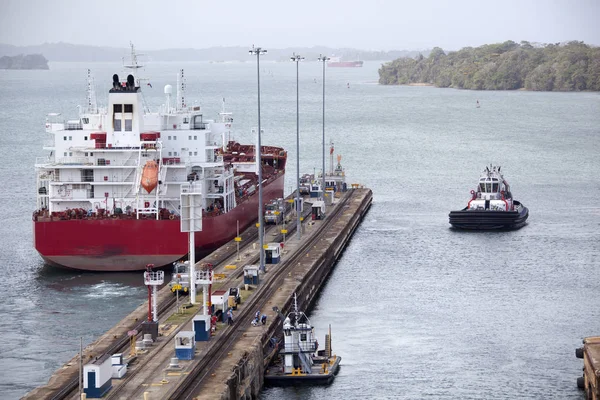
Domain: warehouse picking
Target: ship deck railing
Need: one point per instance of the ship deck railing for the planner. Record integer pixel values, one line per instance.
(87, 161)
(306, 347)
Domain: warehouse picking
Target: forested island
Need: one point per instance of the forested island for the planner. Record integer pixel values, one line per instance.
(572, 66)
(29, 61)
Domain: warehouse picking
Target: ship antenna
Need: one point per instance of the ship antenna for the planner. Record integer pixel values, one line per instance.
(92, 106)
(180, 90)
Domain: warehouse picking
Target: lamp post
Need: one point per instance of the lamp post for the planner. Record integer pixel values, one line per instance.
(323, 59)
(297, 58)
(258, 51)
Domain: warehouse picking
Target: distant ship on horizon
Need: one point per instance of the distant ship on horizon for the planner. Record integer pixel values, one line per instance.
(337, 62)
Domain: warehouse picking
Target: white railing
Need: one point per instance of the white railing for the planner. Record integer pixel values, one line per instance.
(74, 161)
(102, 162)
(67, 194)
(154, 278)
(300, 347)
(172, 162)
(55, 127)
(43, 160)
(204, 277)
(73, 126)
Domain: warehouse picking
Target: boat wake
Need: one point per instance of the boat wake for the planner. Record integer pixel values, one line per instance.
(108, 290)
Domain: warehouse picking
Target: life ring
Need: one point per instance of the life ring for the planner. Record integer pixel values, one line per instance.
(171, 217)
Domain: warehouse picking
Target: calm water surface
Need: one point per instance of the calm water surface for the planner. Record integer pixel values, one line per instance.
(417, 310)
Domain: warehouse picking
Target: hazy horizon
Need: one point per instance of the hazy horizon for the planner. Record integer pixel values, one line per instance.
(382, 25)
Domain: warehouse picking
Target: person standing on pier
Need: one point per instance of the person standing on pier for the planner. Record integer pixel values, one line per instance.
(230, 317)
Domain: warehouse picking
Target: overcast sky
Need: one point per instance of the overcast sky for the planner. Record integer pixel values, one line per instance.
(362, 24)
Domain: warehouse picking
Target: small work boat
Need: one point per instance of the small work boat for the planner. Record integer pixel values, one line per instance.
(491, 207)
(299, 360)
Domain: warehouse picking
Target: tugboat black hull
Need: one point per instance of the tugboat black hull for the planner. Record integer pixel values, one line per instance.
(488, 220)
(318, 377)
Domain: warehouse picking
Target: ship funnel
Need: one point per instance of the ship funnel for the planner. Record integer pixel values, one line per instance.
(130, 81)
(116, 84)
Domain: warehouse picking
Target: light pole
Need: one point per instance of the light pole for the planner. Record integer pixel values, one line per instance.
(323, 59)
(297, 58)
(258, 51)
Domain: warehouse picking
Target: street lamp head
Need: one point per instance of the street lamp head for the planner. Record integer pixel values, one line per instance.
(323, 58)
(257, 51)
(296, 57)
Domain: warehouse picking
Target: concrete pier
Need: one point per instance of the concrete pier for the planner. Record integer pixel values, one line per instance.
(241, 375)
(231, 364)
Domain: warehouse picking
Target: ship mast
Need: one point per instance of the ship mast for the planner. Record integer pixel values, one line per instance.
(227, 119)
(134, 66)
(92, 105)
(180, 90)
(331, 158)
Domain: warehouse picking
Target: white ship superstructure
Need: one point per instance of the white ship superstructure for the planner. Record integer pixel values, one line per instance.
(96, 161)
(493, 192)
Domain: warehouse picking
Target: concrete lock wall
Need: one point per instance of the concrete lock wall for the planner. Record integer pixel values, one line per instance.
(247, 377)
(70, 370)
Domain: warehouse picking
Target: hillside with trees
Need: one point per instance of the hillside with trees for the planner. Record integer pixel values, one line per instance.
(29, 61)
(572, 66)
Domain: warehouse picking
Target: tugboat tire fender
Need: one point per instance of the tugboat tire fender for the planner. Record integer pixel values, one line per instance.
(581, 382)
(579, 352)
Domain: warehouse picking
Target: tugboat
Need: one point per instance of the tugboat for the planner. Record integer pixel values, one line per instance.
(491, 207)
(298, 363)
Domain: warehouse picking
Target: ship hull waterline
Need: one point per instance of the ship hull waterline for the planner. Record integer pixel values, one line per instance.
(131, 244)
(487, 220)
(281, 379)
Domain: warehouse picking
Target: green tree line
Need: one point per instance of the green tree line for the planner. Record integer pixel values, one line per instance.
(572, 66)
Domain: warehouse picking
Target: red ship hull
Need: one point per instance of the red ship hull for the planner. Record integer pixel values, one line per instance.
(131, 244)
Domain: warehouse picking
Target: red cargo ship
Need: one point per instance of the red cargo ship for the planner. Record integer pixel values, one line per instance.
(109, 193)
